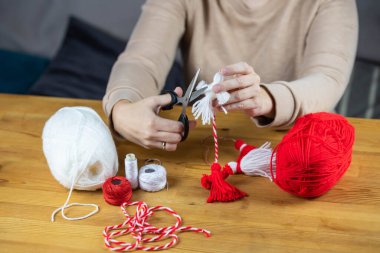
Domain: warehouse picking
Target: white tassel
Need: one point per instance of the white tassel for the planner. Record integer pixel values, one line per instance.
(203, 107)
(257, 162)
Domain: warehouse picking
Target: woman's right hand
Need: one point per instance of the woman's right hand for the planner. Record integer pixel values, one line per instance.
(140, 123)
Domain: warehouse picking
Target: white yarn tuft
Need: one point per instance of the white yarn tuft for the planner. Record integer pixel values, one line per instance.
(257, 162)
(152, 177)
(131, 170)
(203, 107)
(80, 152)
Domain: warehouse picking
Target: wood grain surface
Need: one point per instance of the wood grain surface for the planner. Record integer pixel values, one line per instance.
(346, 219)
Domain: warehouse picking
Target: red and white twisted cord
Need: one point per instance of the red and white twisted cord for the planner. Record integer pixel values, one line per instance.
(215, 135)
(138, 226)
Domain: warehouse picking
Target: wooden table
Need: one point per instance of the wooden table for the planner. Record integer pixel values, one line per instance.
(346, 219)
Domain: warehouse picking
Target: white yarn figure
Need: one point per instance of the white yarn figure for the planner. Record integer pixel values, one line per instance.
(254, 161)
(152, 177)
(131, 170)
(80, 152)
(203, 107)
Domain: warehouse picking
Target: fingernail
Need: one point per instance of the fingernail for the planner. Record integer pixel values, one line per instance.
(216, 88)
(224, 71)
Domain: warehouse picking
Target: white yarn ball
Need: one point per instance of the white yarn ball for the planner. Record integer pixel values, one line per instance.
(152, 177)
(78, 146)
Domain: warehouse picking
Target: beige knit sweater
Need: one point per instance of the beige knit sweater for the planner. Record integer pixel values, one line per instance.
(303, 50)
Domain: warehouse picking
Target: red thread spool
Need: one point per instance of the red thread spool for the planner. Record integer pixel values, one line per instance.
(314, 154)
(117, 190)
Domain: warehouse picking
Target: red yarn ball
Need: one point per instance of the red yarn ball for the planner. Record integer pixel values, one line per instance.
(314, 154)
(117, 190)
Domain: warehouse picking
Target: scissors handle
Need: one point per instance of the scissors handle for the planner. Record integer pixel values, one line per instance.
(185, 121)
(173, 100)
(182, 118)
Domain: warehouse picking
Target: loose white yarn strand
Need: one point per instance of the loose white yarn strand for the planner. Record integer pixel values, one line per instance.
(65, 205)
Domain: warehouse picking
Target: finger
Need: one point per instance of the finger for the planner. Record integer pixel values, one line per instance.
(160, 145)
(162, 100)
(167, 125)
(179, 91)
(243, 94)
(241, 68)
(159, 101)
(138, 142)
(167, 137)
(237, 83)
(242, 105)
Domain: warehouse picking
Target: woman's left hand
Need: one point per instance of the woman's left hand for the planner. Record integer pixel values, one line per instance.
(243, 84)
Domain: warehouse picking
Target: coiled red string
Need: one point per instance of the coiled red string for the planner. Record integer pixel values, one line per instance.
(314, 154)
(117, 190)
(137, 225)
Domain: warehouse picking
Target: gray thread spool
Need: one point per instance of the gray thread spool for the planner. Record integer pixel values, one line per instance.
(152, 177)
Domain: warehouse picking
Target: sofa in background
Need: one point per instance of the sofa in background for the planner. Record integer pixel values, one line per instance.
(39, 32)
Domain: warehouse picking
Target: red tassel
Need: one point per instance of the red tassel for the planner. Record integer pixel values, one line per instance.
(220, 190)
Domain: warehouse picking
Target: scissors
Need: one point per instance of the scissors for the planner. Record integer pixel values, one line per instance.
(188, 97)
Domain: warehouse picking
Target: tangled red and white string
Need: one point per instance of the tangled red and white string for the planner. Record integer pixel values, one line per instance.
(137, 226)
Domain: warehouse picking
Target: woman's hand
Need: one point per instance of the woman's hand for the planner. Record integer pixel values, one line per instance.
(243, 84)
(140, 123)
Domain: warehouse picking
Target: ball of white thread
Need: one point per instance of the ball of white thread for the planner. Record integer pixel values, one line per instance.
(78, 146)
(152, 177)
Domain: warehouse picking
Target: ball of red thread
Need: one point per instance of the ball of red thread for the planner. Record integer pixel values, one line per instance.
(117, 190)
(314, 154)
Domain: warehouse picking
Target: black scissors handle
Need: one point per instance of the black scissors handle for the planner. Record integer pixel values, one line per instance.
(182, 117)
(185, 121)
(173, 100)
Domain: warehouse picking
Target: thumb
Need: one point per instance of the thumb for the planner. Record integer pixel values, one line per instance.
(179, 91)
(162, 100)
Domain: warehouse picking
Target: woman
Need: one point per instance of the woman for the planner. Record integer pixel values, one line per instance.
(282, 59)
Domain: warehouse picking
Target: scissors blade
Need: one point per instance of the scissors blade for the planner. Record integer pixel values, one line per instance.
(189, 91)
(197, 93)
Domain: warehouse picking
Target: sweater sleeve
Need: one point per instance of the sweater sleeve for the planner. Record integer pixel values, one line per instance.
(140, 71)
(325, 69)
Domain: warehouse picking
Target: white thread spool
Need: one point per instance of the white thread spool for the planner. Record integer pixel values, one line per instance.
(131, 170)
(152, 177)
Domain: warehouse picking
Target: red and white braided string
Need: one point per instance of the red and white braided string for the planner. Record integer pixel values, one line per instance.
(138, 226)
(215, 135)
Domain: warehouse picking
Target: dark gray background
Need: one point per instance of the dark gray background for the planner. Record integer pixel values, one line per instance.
(37, 27)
